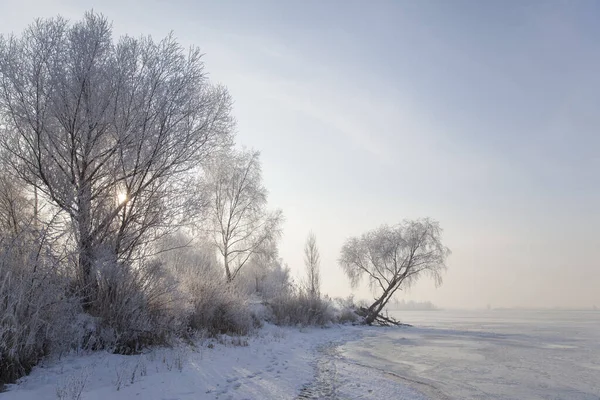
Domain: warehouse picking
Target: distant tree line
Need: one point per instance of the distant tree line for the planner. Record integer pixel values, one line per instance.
(412, 305)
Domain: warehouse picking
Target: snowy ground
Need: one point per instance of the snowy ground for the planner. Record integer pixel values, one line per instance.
(277, 363)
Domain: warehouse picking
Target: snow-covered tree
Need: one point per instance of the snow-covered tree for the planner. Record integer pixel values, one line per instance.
(107, 131)
(394, 257)
(239, 221)
(312, 261)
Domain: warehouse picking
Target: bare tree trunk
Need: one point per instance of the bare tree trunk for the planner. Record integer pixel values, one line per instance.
(85, 270)
(227, 270)
(86, 255)
(375, 309)
(35, 208)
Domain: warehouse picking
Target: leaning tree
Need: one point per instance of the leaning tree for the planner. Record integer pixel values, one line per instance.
(107, 131)
(392, 258)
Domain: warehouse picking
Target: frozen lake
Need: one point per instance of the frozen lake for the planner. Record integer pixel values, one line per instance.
(489, 354)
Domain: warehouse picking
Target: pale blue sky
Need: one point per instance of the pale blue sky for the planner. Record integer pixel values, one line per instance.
(483, 115)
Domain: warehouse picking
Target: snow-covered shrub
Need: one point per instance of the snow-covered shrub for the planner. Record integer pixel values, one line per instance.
(211, 304)
(345, 310)
(33, 305)
(286, 303)
(265, 277)
(297, 307)
(220, 308)
(136, 306)
(347, 316)
(259, 310)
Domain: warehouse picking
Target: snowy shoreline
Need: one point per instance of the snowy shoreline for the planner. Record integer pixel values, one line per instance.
(448, 355)
(274, 363)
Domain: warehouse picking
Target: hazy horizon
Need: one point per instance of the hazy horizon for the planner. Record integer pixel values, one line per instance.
(480, 115)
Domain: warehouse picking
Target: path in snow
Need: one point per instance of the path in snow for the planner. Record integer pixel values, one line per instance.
(324, 385)
(340, 378)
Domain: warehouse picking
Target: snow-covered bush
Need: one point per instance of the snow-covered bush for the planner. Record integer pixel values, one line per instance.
(136, 306)
(211, 304)
(266, 277)
(219, 308)
(286, 303)
(35, 309)
(297, 307)
(345, 310)
(33, 305)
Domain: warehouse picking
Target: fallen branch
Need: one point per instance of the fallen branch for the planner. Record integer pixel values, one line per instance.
(388, 321)
(380, 319)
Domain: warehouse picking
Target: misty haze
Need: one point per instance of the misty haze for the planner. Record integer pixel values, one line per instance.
(299, 200)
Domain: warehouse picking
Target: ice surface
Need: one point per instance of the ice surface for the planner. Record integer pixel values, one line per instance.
(490, 355)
